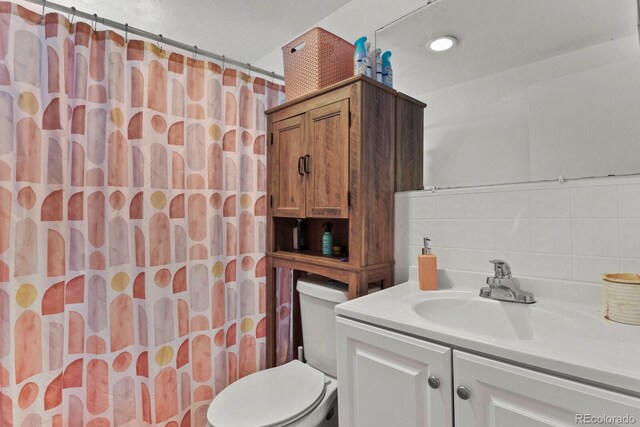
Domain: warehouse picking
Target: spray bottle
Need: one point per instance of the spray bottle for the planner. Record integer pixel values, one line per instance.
(378, 64)
(367, 61)
(327, 239)
(387, 71)
(360, 66)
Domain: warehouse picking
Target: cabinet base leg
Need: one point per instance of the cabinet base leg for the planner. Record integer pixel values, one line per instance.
(358, 285)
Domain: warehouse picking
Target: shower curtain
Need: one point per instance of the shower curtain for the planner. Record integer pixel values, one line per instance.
(132, 227)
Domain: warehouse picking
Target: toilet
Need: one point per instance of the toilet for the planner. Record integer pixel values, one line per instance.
(295, 394)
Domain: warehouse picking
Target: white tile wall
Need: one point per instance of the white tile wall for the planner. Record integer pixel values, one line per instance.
(572, 231)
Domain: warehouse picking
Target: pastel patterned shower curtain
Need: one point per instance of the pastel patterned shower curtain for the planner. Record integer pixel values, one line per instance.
(132, 227)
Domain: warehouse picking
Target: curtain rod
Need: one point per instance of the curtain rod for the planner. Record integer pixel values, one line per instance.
(155, 37)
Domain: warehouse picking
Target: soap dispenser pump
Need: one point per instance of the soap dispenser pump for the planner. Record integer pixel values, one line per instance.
(427, 268)
(327, 239)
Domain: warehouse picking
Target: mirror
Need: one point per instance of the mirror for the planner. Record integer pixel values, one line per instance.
(531, 91)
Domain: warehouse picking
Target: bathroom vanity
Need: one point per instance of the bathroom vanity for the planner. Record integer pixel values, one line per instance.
(449, 357)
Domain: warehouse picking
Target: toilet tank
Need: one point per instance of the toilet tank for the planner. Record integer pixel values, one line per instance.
(318, 298)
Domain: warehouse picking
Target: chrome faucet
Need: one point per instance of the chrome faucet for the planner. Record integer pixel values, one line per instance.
(503, 287)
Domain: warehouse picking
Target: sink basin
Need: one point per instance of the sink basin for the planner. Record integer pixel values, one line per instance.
(466, 311)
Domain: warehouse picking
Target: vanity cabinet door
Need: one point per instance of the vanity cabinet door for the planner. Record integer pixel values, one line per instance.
(383, 379)
(502, 395)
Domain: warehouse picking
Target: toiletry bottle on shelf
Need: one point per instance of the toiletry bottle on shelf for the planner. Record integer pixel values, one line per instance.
(299, 236)
(427, 268)
(302, 234)
(367, 61)
(378, 64)
(358, 57)
(387, 71)
(327, 239)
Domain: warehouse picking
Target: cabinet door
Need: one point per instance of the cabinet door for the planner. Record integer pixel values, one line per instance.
(287, 171)
(503, 395)
(328, 162)
(383, 379)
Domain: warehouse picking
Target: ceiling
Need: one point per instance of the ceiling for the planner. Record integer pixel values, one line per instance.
(496, 35)
(244, 30)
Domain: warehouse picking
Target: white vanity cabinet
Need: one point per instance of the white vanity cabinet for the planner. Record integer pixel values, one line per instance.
(503, 395)
(384, 381)
(389, 379)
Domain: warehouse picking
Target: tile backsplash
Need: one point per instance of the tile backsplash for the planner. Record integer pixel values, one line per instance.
(572, 231)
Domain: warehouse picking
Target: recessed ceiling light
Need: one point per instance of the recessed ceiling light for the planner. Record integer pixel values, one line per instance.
(441, 44)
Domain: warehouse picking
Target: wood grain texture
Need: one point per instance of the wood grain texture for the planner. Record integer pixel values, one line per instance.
(316, 102)
(333, 89)
(350, 133)
(409, 147)
(377, 172)
(328, 181)
(289, 147)
(310, 264)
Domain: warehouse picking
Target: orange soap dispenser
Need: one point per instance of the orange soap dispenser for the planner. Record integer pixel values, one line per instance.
(427, 268)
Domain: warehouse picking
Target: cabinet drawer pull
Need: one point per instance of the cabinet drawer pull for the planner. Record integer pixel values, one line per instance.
(463, 393)
(306, 163)
(433, 382)
(300, 170)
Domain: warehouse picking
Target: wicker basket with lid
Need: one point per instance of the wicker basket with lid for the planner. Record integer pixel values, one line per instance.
(315, 60)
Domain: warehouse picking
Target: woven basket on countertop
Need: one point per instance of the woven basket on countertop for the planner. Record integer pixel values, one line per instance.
(315, 60)
(621, 297)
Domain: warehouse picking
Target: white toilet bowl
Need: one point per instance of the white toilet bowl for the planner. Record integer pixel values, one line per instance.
(295, 394)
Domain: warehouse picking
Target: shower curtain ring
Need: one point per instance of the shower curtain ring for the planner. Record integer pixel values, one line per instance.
(249, 69)
(73, 14)
(95, 22)
(195, 52)
(126, 33)
(44, 3)
(273, 76)
(159, 43)
(224, 58)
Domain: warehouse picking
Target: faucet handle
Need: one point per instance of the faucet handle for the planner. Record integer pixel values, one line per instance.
(502, 269)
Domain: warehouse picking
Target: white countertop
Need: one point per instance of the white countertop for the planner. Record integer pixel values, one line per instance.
(607, 355)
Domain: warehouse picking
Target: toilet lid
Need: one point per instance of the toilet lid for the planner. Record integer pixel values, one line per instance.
(269, 398)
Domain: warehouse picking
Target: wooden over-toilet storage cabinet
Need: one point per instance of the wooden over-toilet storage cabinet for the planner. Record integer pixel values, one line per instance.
(330, 157)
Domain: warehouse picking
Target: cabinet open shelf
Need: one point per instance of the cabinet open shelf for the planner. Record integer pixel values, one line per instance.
(314, 229)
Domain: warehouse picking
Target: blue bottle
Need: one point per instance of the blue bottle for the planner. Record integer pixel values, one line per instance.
(327, 239)
(359, 61)
(387, 71)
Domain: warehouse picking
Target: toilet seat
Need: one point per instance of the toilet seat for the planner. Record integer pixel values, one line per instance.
(274, 397)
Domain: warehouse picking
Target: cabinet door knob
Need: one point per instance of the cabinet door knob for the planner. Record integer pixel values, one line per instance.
(463, 393)
(306, 163)
(433, 382)
(300, 170)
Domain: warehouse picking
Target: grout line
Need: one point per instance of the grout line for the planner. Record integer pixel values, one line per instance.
(572, 231)
(619, 229)
(530, 232)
